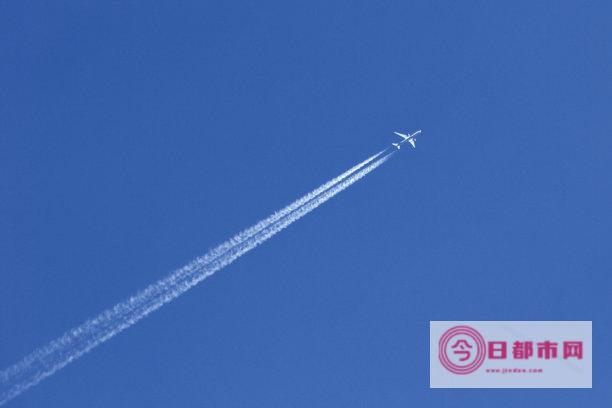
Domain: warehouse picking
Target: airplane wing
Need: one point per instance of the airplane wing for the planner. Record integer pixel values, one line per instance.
(412, 142)
(401, 134)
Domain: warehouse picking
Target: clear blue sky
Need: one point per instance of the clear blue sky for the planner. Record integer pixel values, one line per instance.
(135, 136)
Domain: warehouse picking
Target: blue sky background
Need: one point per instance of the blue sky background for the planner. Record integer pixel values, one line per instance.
(135, 136)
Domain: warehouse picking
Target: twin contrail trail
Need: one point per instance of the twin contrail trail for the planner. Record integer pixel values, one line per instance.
(46, 360)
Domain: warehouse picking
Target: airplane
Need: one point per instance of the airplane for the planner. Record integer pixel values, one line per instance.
(410, 139)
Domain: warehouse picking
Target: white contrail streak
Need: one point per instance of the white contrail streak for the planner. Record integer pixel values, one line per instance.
(48, 359)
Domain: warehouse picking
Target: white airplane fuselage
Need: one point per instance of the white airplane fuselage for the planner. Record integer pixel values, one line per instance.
(407, 138)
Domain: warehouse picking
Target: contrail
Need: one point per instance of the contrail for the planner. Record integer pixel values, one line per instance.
(48, 359)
